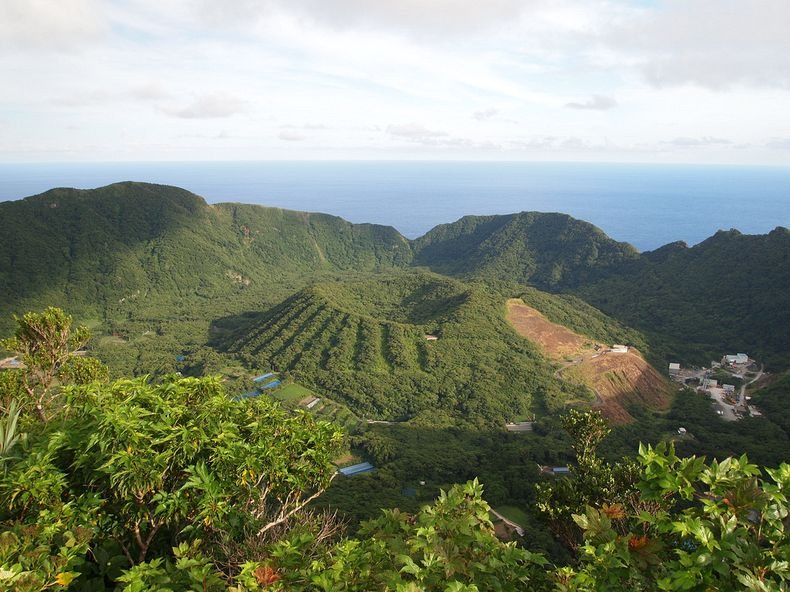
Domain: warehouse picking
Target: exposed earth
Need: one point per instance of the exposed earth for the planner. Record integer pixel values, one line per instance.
(616, 378)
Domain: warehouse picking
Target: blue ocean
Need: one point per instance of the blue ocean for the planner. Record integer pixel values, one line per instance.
(645, 205)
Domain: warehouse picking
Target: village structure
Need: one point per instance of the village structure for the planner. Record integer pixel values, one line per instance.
(728, 394)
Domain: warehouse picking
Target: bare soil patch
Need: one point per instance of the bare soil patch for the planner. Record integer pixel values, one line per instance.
(616, 378)
(619, 379)
(555, 340)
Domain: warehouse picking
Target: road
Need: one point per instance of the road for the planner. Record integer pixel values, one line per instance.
(510, 523)
(742, 394)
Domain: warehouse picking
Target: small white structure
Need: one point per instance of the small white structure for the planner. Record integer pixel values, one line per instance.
(736, 359)
(681, 431)
(674, 368)
(431, 337)
(313, 403)
(619, 349)
(728, 388)
(519, 426)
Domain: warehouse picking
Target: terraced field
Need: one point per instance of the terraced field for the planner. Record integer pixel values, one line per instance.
(364, 343)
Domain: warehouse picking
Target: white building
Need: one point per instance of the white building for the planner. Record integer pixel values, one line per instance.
(619, 349)
(674, 368)
(736, 359)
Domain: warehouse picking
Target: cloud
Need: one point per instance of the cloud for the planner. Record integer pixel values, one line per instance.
(595, 103)
(46, 25)
(778, 143)
(147, 92)
(715, 44)
(152, 91)
(697, 142)
(421, 17)
(291, 136)
(415, 132)
(211, 106)
(307, 126)
(485, 114)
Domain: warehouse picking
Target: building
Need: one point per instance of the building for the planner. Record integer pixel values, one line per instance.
(674, 369)
(431, 338)
(519, 426)
(356, 469)
(619, 349)
(728, 388)
(736, 359)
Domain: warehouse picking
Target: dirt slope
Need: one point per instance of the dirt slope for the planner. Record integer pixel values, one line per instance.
(616, 378)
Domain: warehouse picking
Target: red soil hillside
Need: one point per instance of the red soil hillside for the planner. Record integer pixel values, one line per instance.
(616, 378)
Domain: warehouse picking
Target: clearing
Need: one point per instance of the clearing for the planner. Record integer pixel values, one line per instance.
(555, 340)
(616, 378)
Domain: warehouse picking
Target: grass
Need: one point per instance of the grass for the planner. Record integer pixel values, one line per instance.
(292, 393)
(514, 514)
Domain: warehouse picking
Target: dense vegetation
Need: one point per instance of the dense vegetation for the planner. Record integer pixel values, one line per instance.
(152, 252)
(364, 343)
(173, 285)
(730, 292)
(549, 251)
(135, 258)
(169, 486)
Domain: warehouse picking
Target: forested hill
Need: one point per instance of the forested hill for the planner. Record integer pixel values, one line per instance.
(730, 290)
(143, 251)
(150, 246)
(549, 251)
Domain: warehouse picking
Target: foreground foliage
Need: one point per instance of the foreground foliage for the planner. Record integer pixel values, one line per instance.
(132, 466)
(171, 485)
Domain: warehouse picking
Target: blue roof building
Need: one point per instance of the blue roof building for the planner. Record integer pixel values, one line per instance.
(356, 469)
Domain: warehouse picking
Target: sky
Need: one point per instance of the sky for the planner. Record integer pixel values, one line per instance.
(664, 81)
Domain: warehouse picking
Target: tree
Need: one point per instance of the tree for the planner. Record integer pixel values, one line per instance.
(45, 344)
(9, 434)
(717, 526)
(141, 465)
(593, 482)
(447, 546)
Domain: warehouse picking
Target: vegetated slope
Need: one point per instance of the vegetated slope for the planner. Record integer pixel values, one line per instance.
(157, 250)
(617, 379)
(549, 251)
(773, 400)
(364, 343)
(729, 293)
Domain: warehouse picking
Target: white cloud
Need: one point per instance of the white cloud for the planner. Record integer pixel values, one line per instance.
(210, 106)
(712, 43)
(415, 132)
(485, 114)
(686, 142)
(420, 17)
(333, 73)
(595, 103)
(291, 136)
(779, 143)
(47, 25)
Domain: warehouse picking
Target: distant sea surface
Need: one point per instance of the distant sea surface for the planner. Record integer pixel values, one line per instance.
(645, 205)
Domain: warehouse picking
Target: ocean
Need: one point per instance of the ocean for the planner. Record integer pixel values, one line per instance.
(645, 205)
